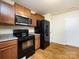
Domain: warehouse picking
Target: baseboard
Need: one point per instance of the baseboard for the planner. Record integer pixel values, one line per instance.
(64, 44)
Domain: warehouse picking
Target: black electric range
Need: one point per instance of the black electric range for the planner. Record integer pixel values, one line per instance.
(26, 43)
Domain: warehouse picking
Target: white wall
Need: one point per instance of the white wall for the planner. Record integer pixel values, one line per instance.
(72, 28)
(65, 28)
(58, 29)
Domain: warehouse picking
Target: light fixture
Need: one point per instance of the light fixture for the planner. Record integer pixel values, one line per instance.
(33, 12)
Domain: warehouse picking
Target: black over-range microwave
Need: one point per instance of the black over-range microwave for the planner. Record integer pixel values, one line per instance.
(20, 20)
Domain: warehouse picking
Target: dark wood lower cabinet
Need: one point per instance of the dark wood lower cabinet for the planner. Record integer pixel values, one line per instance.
(37, 42)
(8, 51)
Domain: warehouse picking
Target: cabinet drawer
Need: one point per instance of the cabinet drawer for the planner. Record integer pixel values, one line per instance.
(7, 43)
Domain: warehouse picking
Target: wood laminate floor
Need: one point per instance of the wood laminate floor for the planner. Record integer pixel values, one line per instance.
(57, 51)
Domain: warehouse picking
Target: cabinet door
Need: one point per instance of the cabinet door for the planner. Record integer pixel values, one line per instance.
(39, 17)
(0, 55)
(36, 17)
(33, 20)
(19, 9)
(37, 42)
(7, 14)
(9, 52)
(27, 12)
(22, 10)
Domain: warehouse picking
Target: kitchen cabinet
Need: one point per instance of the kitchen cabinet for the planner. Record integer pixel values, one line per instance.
(37, 42)
(19, 9)
(36, 17)
(33, 20)
(27, 12)
(39, 17)
(7, 14)
(8, 50)
(22, 10)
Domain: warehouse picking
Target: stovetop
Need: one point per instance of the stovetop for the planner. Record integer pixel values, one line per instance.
(25, 38)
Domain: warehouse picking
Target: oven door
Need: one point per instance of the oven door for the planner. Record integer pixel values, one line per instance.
(27, 47)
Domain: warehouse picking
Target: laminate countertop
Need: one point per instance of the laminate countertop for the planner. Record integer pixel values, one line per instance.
(33, 33)
(7, 37)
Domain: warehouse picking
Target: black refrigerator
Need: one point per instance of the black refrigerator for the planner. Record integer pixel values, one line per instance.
(43, 28)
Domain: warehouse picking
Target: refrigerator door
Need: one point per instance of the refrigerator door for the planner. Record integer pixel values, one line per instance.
(44, 30)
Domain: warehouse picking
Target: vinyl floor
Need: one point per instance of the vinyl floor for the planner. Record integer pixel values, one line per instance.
(57, 51)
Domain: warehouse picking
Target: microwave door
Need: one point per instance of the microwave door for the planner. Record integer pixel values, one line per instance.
(23, 21)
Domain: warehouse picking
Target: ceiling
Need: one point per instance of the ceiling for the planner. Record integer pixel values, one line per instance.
(50, 6)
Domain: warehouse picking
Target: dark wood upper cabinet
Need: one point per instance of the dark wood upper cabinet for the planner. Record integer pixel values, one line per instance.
(33, 20)
(19, 9)
(22, 10)
(39, 17)
(36, 17)
(7, 14)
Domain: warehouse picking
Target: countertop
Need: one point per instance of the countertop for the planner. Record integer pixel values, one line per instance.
(34, 33)
(7, 37)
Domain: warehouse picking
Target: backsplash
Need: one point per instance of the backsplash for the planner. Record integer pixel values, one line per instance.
(9, 29)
